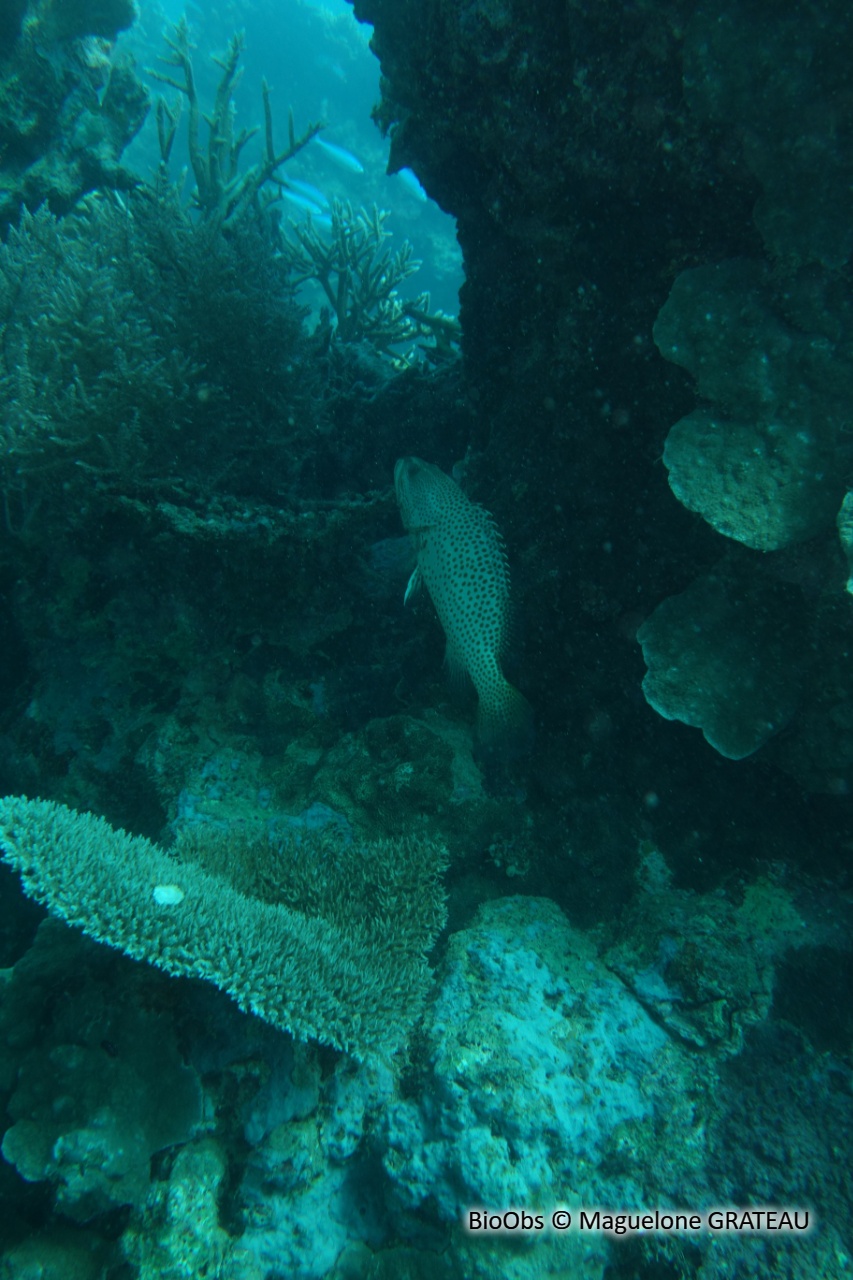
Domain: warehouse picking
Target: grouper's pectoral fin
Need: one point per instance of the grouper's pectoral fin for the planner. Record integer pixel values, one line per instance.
(414, 585)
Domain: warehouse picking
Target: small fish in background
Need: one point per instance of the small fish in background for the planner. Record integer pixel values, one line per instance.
(299, 204)
(462, 563)
(323, 62)
(340, 155)
(297, 201)
(308, 191)
(409, 180)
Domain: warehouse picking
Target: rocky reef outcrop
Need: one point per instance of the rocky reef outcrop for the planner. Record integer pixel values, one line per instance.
(631, 185)
(69, 106)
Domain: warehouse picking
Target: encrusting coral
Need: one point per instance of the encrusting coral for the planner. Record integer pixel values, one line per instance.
(763, 457)
(343, 962)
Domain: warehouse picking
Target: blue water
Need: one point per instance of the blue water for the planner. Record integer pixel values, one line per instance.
(316, 59)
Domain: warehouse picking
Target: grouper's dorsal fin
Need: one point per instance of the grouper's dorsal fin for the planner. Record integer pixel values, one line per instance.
(414, 585)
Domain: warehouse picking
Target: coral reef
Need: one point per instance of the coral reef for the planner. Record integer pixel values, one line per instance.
(705, 969)
(783, 107)
(770, 344)
(555, 1074)
(121, 379)
(537, 1064)
(643, 994)
(359, 276)
(345, 968)
(668, 135)
(180, 1232)
(765, 463)
(56, 20)
(223, 195)
(83, 371)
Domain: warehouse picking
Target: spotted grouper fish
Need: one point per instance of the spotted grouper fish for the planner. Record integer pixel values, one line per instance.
(462, 563)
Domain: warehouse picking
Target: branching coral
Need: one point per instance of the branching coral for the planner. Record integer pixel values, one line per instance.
(360, 275)
(337, 957)
(223, 195)
(131, 336)
(82, 370)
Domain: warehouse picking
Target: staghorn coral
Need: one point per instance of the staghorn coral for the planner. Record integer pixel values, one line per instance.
(223, 195)
(82, 372)
(346, 967)
(359, 276)
(137, 364)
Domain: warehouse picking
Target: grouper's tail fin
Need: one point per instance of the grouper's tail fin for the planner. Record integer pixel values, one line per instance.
(504, 721)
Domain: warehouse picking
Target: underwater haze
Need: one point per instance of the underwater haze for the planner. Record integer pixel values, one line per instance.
(426, 710)
(317, 61)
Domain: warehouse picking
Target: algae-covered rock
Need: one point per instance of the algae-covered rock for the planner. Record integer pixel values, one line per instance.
(778, 79)
(98, 1084)
(62, 1252)
(69, 107)
(180, 1233)
(70, 19)
(727, 655)
(701, 966)
(536, 1060)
